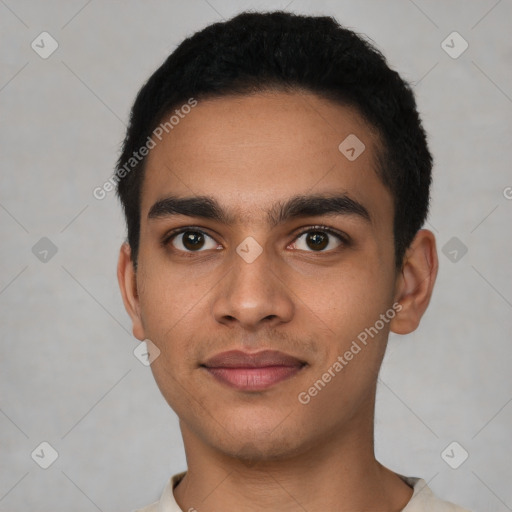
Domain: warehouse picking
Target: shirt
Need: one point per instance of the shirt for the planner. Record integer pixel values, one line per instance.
(422, 500)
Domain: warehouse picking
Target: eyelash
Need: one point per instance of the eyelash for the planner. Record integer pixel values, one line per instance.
(342, 237)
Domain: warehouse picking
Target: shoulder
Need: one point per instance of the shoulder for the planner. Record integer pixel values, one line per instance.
(167, 503)
(424, 500)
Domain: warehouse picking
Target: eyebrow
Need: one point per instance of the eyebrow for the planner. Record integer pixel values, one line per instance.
(295, 207)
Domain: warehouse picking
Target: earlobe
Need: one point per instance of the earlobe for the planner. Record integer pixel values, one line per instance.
(126, 277)
(415, 282)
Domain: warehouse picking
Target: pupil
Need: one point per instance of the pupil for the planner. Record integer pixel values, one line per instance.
(317, 240)
(193, 240)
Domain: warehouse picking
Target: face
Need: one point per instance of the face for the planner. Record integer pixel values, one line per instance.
(286, 257)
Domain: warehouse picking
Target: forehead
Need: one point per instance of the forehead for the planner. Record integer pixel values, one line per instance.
(251, 151)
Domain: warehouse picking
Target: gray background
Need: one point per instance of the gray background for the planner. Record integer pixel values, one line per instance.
(68, 374)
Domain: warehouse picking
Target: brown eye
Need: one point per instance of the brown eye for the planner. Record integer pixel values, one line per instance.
(317, 240)
(192, 241)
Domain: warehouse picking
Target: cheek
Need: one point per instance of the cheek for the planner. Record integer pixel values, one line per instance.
(171, 301)
(350, 302)
(346, 298)
(171, 292)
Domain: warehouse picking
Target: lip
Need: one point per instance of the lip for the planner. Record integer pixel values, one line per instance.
(252, 371)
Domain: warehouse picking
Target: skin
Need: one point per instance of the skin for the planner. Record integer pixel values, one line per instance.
(260, 451)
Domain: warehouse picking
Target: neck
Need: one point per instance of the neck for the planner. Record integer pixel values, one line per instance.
(341, 474)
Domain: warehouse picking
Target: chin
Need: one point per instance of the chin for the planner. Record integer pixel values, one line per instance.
(264, 441)
(260, 448)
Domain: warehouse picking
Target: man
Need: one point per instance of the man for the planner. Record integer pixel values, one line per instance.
(275, 177)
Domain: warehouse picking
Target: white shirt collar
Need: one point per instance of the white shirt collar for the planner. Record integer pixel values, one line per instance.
(422, 500)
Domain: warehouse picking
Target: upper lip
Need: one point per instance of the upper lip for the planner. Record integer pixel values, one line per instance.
(240, 359)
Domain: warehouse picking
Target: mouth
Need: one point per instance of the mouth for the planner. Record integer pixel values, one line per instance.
(252, 372)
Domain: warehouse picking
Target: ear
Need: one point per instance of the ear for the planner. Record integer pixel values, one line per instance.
(415, 282)
(127, 278)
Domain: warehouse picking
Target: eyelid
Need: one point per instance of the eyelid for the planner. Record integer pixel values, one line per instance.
(344, 238)
(169, 235)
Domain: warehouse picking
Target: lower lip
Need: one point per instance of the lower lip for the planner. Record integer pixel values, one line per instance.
(253, 379)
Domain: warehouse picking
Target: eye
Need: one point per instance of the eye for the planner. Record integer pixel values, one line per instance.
(319, 239)
(191, 240)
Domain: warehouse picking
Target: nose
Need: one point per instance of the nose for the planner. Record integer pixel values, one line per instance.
(253, 295)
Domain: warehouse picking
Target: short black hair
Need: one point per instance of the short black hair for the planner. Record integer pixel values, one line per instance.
(263, 51)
